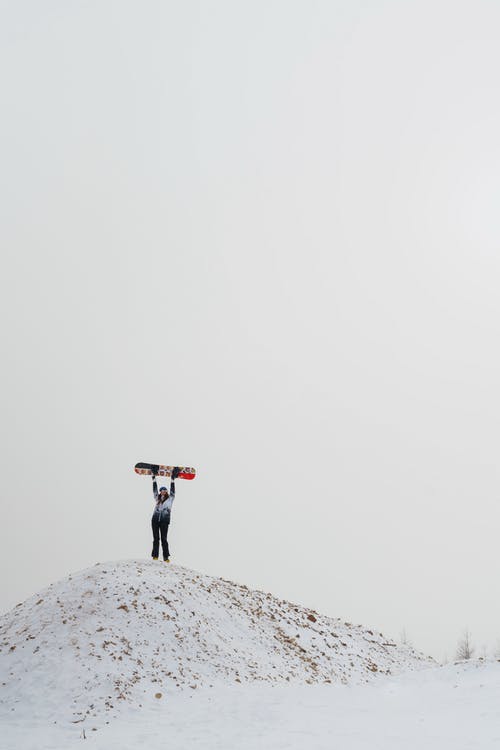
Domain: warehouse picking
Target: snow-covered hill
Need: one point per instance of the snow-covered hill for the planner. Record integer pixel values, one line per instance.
(127, 634)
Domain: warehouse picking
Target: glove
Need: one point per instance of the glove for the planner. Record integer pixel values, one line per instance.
(175, 472)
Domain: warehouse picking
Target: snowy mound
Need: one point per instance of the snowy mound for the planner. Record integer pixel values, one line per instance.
(124, 633)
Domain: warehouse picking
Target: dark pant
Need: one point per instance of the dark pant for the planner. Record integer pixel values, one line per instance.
(160, 525)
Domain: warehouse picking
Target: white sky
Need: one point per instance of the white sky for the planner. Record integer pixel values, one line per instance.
(260, 238)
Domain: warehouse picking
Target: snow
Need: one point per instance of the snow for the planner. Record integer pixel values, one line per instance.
(135, 652)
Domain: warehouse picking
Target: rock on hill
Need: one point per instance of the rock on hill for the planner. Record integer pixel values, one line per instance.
(126, 632)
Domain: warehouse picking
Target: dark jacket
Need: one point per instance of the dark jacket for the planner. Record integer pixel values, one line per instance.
(163, 508)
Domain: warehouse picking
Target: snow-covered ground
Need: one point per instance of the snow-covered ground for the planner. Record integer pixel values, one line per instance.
(140, 653)
(448, 708)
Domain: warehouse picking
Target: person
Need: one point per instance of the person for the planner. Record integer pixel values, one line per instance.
(160, 520)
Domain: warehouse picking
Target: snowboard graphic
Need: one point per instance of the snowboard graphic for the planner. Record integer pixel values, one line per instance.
(185, 472)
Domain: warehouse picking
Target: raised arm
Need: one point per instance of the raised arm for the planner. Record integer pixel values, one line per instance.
(174, 475)
(155, 489)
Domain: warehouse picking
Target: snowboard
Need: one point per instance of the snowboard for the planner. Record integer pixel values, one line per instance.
(185, 472)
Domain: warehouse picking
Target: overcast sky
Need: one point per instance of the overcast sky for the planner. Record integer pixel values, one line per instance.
(260, 238)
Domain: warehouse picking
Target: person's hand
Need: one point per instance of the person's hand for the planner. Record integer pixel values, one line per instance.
(175, 472)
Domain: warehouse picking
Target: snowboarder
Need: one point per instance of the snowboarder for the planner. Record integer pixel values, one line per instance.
(161, 516)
